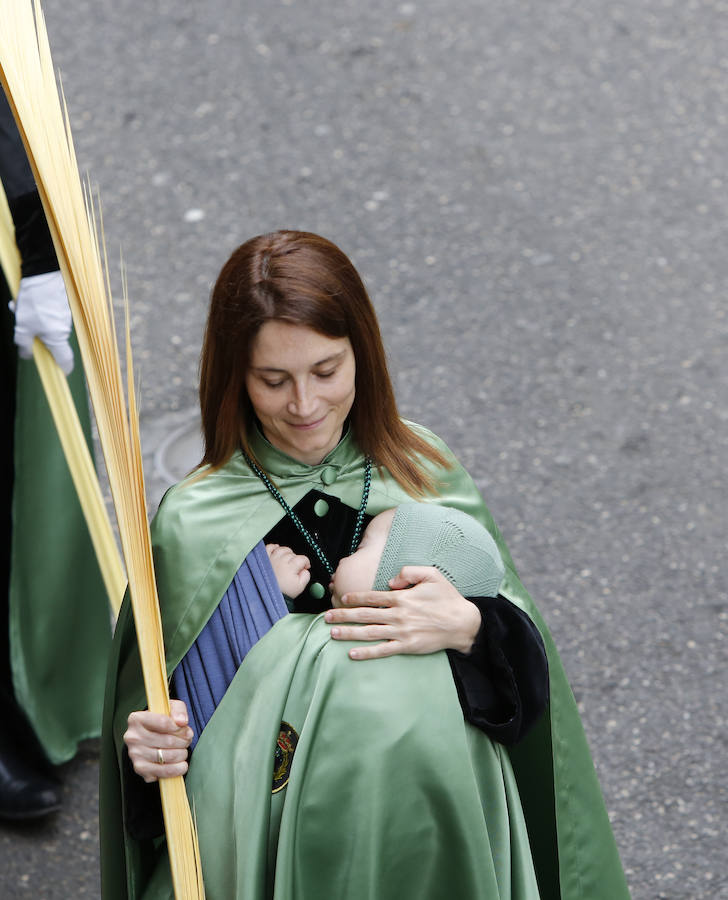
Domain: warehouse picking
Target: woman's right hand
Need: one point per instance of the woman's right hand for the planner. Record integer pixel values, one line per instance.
(157, 744)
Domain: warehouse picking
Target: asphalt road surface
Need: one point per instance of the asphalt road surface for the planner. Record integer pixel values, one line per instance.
(535, 194)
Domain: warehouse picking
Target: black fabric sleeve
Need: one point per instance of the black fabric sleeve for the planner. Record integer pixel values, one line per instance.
(142, 804)
(503, 683)
(32, 235)
(15, 172)
(31, 229)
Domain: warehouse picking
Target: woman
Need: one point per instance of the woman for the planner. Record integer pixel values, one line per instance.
(379, 788)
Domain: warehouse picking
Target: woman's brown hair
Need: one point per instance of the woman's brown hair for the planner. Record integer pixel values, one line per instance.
(301, 278)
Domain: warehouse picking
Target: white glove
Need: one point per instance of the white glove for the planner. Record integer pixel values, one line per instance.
(41, 310)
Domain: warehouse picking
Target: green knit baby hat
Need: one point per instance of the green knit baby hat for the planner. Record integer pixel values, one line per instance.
(424, 534)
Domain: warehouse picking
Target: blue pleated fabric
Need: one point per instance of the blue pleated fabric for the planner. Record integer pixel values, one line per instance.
(249, 608)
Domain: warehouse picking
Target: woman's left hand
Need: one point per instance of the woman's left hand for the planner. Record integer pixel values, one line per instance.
(425, 618)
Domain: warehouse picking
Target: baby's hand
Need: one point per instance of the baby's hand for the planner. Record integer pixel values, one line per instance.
(292, 572)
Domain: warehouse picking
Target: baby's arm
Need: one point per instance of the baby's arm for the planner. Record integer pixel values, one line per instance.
(292, 572)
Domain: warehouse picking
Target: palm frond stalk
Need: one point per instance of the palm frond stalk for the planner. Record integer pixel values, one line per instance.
(27, 75)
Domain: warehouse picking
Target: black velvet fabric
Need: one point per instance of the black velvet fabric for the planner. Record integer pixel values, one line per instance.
(332, 531)
(503, 683)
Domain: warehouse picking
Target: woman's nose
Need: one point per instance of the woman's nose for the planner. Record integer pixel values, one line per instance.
(302, 402)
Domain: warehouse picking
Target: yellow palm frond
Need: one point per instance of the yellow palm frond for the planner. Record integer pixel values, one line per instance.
(26, 71)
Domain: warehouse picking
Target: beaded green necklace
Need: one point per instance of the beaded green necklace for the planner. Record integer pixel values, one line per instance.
(299, 524)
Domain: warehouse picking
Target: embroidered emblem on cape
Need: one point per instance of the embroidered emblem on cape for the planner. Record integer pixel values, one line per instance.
(283, 757)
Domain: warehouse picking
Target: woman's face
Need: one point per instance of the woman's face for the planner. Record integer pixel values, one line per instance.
(301, 387)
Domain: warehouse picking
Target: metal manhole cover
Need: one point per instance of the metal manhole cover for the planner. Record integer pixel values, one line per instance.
(180, 450)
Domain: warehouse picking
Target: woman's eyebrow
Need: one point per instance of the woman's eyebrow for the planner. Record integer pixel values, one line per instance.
(329, 359)
(335, 357)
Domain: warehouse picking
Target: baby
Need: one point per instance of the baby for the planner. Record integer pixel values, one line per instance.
(413, 534)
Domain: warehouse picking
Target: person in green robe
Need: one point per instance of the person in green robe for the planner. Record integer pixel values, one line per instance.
(392, 746)
(55, 629)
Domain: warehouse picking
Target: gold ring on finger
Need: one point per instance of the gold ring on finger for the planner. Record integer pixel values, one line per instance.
(160, 757)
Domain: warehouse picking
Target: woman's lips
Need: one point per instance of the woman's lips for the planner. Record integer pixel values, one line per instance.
(306, 426)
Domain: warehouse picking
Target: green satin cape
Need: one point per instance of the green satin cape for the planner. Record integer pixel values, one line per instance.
(204, 529)
(59, 621)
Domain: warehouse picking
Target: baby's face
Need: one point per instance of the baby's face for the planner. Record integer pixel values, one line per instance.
(358, 571)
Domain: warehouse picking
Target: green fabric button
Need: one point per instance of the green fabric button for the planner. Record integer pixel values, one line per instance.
(328, 476)
(321, 507)
(316, 590)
